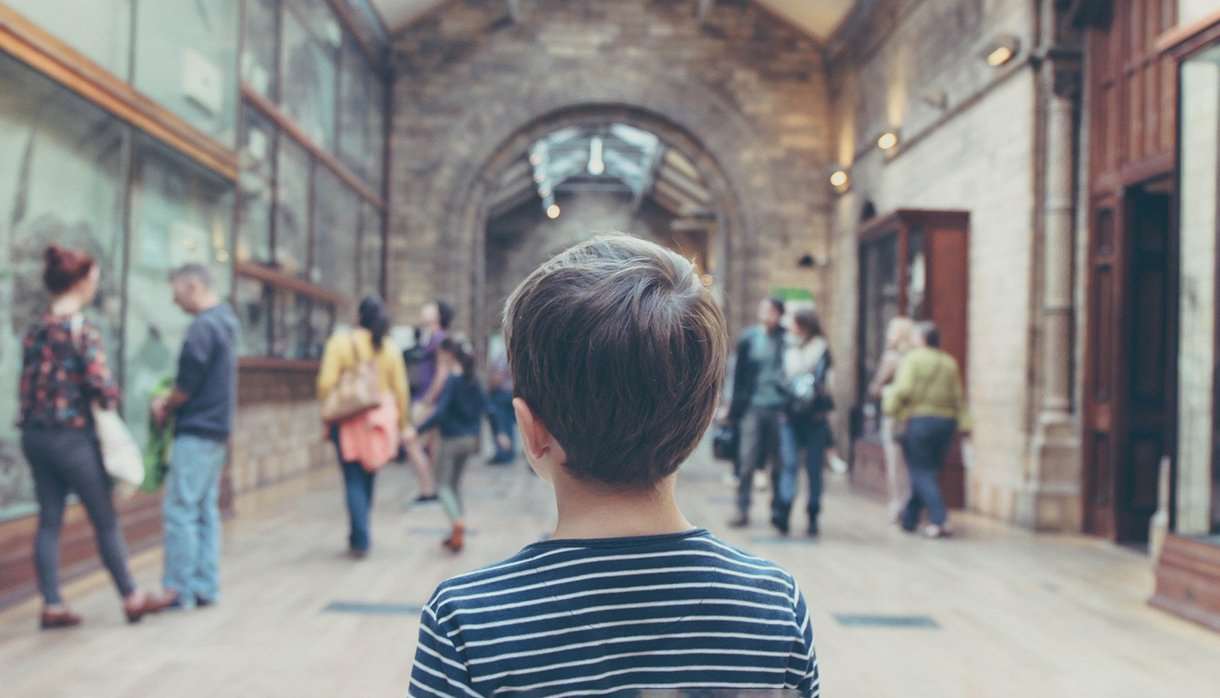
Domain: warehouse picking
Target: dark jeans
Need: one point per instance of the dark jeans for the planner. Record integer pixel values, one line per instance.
(358, 492)
(503, 422)
(760, 441)
(813, 438)
(925, 443)
(63, 461)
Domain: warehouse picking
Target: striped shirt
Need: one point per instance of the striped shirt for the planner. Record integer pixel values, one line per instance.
(603, 616)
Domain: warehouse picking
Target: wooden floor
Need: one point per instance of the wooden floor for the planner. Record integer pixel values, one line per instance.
(994, 612)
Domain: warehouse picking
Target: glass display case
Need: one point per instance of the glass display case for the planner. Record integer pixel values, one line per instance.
(913, 263)
(99, 29)
(371, 250)
(292, 181)
(185, 58)
(336, 225)
(64, 183)
(309, 57)
(361, 115)
(260, 53)
(180, 214)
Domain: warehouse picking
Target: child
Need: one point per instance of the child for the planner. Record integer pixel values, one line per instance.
(617, 352)
(459, 411)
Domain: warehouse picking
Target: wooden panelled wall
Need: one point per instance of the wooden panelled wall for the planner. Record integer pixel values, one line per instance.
(1132, 94)
(1132, 131)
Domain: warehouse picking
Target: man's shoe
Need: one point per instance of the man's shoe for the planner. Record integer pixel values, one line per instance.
(741, 521)
(51, 620)
(425, 498)
(812, 531)
(780, 524)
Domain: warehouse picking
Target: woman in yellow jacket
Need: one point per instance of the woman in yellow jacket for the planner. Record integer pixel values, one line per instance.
(343, 351)
(927, 396)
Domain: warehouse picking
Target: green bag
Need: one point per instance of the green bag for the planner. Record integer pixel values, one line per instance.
(160, 441)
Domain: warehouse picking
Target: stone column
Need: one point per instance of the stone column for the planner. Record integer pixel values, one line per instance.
(1052, 494)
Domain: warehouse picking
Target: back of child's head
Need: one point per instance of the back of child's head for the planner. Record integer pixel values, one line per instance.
(619, 349)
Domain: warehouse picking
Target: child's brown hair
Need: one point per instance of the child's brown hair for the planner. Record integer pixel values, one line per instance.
(619, 349)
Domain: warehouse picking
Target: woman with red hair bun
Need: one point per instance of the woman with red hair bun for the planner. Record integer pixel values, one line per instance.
(64, 372)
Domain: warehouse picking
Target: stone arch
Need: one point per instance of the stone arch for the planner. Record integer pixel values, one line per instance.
(707, 128)
(469, 211)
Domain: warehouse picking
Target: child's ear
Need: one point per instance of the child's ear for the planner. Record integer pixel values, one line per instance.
(536, 441)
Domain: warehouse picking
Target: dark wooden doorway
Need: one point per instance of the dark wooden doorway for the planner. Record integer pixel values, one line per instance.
(1131, 385)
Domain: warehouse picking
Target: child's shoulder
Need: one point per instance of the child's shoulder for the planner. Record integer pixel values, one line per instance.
(557, 561)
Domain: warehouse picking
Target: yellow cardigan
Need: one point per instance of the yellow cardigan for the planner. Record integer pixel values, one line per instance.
(340, 354)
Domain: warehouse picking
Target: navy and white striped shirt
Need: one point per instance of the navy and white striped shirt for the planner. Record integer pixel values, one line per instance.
(597, 617)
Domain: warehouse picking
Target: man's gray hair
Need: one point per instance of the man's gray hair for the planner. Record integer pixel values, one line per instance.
(192, 272)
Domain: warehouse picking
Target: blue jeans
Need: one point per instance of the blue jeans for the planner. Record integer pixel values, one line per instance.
(813, 437)
(503, 422)
(191, 506)
(358, 492)
(925, 443)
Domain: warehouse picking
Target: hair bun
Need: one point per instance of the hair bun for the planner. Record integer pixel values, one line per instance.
(65, 267)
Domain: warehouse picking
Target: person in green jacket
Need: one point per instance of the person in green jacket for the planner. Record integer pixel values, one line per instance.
(927, 397)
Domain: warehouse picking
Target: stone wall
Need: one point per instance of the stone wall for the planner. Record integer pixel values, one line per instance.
(278, 433)
(524, 238)
(968, 135)
(744, 90)
(1197, 350)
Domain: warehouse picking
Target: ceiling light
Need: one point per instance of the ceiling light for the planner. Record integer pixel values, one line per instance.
(552, 211)
(535, 159)
(888, 140)
(1001, 50)
(840, 180)
(597, 165)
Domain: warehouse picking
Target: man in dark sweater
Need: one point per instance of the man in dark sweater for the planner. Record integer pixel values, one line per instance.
(202, 403)
(758, 403)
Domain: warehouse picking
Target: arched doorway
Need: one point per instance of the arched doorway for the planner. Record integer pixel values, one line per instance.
(604, 167)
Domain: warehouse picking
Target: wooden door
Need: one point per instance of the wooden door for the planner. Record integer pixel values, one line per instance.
(1131, 362)
(1150, 383)
(1103, 356)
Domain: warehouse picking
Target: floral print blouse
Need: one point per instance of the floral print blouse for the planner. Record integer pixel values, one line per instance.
(61, 376)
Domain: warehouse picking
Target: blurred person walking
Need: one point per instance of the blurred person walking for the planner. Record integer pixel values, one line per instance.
(808, 370)
(927, 399)
(758, 402)
(500, 407)
(202, 402)
(436, 316)
(64, 374)
(458, 417)
(366, 361)
(900, 337)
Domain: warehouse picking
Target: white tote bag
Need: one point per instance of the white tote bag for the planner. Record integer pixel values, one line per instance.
(120, 454)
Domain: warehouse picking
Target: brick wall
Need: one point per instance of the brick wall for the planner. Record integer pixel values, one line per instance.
(745, 92)
(277, 432)
(968, 144)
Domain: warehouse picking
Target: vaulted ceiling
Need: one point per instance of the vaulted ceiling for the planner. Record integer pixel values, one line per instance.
(817, 17)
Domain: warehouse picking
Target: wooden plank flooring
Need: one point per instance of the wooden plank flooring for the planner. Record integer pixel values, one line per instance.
(1000, 612)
